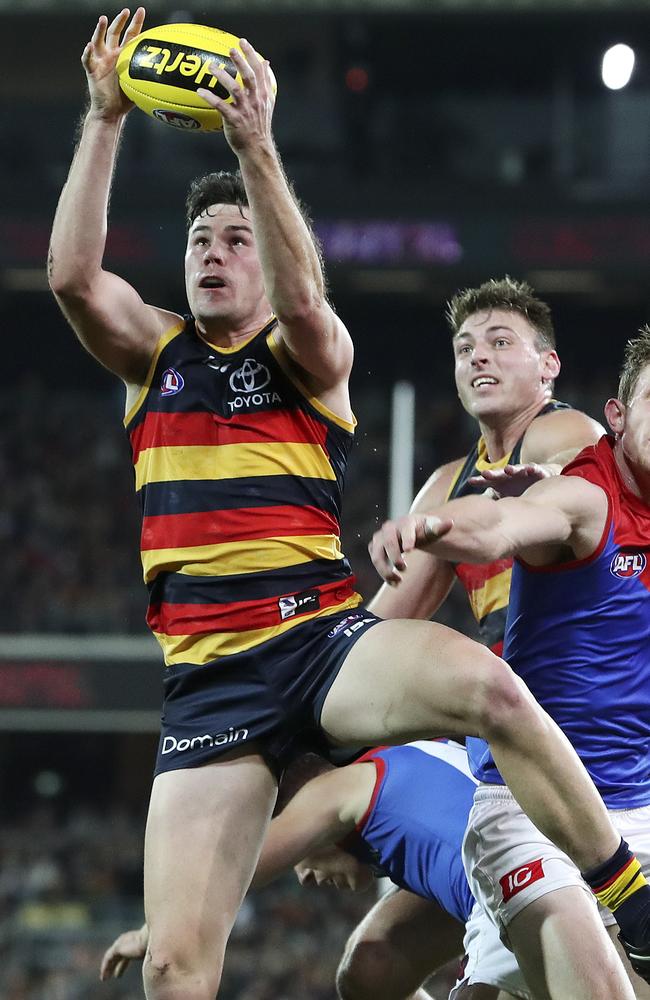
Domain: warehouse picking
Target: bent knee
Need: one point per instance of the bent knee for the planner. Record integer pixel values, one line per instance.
(500, 697)
(366, 972)
(184, 970)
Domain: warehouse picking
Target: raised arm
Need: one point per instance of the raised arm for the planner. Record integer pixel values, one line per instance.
(106, 313)
(314, 337)
(557, 519)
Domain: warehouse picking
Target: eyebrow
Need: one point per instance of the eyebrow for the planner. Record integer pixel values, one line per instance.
(490, 329)
(231, 228)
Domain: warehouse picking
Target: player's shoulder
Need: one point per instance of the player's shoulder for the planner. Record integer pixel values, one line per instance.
(436, 489)
(557, 433)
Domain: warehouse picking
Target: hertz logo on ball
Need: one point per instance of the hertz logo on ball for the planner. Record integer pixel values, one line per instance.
(177, 67)
(161, 70)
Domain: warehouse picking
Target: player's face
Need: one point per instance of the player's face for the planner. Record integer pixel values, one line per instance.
(499, 371)
(223, 276)
(632, 425)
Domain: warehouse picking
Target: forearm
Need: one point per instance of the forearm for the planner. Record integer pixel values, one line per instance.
(80, 224)
(290, 263)
(478, 532)
(283, 848)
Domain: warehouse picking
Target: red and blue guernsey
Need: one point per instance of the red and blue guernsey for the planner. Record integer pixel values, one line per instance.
(413, 829)
(578, 634)
(240, 475)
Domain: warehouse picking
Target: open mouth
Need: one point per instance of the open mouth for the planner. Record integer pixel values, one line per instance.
(210, 281)
(481, 380)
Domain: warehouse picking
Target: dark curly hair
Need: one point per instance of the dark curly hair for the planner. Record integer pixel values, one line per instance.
(635, 359)
(221, 188)
(506, 293)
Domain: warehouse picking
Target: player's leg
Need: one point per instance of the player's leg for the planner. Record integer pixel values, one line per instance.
(564, 951)
(490, 970)
(397, 945)
(204, 832)
(641, 988)
(411, 679)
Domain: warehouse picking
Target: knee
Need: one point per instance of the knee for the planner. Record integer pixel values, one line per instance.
(365, 972)
(500, 699)
(170, 972)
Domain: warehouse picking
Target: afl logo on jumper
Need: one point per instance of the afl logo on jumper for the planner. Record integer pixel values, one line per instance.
(628, 564)
(171, 383)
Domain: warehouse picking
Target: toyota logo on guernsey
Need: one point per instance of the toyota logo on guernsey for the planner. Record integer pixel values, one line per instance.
(247, 381)
(171, 382)
(251, 377)
(625, 565)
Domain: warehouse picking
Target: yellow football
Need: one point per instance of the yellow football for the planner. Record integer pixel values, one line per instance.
(161, 70)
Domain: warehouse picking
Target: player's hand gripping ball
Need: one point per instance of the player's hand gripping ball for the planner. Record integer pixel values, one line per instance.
(161, 70)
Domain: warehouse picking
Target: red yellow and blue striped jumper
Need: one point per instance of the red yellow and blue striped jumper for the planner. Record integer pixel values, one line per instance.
(240, 475)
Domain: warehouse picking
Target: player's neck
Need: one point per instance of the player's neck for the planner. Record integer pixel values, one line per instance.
(222, 334)
(502, 431)
(635, 478)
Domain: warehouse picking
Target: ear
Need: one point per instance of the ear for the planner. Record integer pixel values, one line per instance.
(615, 416)
(551, 368)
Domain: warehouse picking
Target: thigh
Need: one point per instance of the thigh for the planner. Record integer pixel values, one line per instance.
(204, 832)
(405, 680)
(489, 968)
(564, 951)
(398, 944)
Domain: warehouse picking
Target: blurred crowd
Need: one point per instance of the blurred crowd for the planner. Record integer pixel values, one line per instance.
(70, 883)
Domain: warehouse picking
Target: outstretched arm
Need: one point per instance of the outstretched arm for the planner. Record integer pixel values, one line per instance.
(314, 337)
(322, 812)
(550, 443)
(106, 313)
(557, 519)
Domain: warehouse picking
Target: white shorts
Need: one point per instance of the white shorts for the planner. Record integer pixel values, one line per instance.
(487, 960)
(510, 864)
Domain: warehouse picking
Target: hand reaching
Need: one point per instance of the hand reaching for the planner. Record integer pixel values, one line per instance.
(247, 118)
(131, 944)
(99, 59)
(512, 480)
(395, 538)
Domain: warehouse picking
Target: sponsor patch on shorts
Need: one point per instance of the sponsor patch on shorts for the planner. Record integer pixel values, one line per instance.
(520, 878)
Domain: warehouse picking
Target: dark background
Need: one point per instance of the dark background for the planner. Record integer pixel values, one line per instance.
(435, 146)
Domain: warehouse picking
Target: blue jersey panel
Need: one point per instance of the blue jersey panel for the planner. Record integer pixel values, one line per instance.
(579, 636)
(416, 824)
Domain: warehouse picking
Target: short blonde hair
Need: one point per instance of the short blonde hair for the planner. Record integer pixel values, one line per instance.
(505, 293)
(635, 359)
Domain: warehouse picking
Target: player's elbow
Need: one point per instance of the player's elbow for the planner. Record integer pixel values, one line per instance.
(299, 308)
(365, 972)
(68, 282)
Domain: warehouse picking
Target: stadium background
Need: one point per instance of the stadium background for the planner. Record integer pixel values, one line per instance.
(436, 144)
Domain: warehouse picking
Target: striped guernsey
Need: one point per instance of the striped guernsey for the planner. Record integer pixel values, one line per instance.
(240, 475)
(488, 584)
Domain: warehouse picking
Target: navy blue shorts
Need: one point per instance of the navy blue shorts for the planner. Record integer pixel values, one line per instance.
(270, 696)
